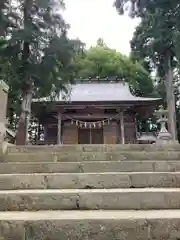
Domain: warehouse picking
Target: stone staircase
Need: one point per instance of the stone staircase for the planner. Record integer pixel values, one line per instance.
(100, 192)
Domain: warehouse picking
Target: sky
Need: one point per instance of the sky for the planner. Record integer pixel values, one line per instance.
(93, 19)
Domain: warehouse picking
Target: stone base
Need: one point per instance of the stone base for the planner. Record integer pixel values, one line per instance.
(94, 181)
(103, 203)
(168, 142)
(91, 225)
(2, 131)
(163, 155)
(3, 147)
(90, 199)
(85, 167)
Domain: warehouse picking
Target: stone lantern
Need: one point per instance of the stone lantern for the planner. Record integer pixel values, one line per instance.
(164, 137)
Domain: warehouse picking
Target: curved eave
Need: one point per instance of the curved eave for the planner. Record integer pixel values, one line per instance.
(138, 102)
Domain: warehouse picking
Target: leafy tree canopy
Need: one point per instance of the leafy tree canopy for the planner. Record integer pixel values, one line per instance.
(105, 62)
(36, 54)
(156, 41)
(137, 8)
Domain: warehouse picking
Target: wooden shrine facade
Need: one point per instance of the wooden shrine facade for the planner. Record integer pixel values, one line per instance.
(95, 112)
(89, 125)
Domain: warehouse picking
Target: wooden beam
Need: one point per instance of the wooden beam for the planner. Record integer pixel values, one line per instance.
(86, 117)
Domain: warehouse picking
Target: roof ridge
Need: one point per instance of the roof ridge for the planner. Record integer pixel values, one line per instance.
(99, 80)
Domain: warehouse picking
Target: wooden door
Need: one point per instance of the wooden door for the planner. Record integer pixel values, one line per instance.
(97, 136)
(90, 136)
(83, 136)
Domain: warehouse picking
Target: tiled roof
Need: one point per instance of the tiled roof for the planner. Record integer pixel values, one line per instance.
(98, 92)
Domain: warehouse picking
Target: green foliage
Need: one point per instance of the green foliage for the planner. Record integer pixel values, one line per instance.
(37, 53)
(156, 42)
(137, 8)
(157, 36)
(105, 62)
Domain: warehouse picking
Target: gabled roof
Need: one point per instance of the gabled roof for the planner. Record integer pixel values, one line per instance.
(98, 91)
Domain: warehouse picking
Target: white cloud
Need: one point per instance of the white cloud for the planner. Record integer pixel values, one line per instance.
(91, 19)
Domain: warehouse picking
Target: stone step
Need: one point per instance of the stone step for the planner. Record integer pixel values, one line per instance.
(91, 225)
(93, 148)
(91, 156)
(90, 180)
(94, 199)
(91, 166)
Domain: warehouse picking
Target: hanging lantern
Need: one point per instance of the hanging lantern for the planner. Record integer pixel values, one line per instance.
(76, 123)
(99, 124)
(108, 121)
(81, 125)
(72, 121)
(90, 125)
(85, 124)
(94, 125)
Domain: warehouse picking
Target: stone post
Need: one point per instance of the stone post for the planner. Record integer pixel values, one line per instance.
(3, 108)
(164, 137)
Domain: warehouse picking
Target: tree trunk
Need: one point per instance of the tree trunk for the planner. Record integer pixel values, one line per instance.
(22, 129)
(3, 24)
(170, 99)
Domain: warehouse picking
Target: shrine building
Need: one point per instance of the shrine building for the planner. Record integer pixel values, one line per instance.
(93, 112)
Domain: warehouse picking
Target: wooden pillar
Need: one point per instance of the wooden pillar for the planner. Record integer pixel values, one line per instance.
(136, 127)
(59, 129)
(122, 126)
(90, 136)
